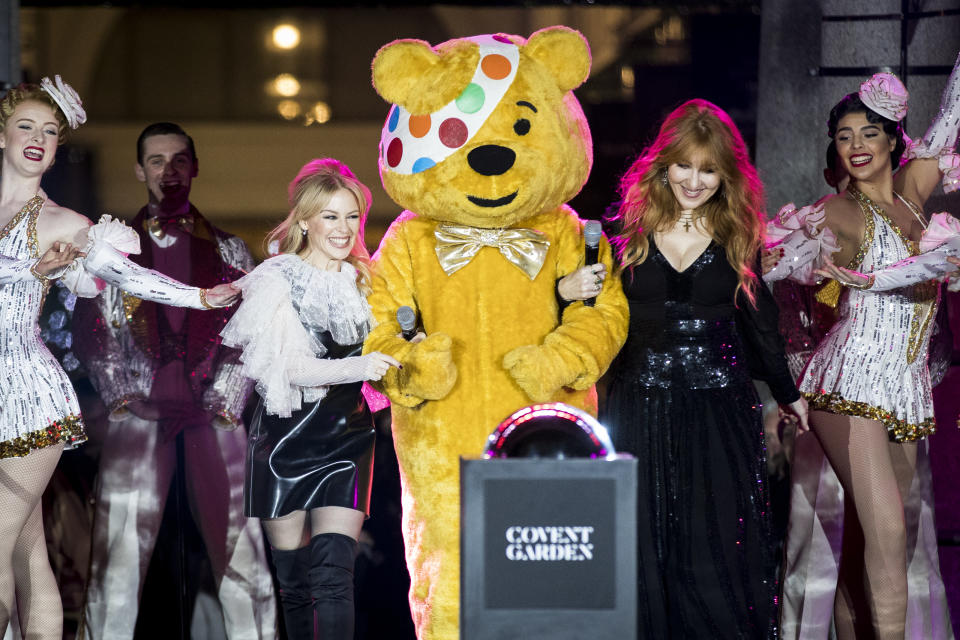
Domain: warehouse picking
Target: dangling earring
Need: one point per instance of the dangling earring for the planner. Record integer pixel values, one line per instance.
(303, 233)
(664, 178)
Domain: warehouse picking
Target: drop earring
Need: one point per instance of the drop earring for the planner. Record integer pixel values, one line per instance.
(664, 179)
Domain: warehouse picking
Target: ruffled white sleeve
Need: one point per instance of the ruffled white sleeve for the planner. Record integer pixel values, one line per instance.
(941, 239)
(277, 350)
(108, 244)
(268, 331)
(803, 237)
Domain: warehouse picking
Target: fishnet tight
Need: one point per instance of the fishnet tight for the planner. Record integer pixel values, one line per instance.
(24, 565)
(875, 473)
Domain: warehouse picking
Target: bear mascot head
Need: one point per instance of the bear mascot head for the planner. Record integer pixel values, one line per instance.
(483, 146)
(484, 131)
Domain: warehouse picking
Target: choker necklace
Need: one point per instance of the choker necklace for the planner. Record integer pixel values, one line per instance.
(689, 219)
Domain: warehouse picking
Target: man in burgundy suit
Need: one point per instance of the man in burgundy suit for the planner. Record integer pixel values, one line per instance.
(161, 371)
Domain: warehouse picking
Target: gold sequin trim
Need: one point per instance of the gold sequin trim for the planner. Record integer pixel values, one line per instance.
(32, 241)
(130, 305)
(899, 430)
(33, 205)
(68, 429)
(869, 227)
(924, 308)
(123, 401)
(226, 415)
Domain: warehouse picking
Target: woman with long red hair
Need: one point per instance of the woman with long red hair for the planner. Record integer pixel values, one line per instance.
(681, 398)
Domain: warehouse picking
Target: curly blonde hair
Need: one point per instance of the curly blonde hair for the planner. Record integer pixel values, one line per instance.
(308, 194)
(28, 91)
(735, 213)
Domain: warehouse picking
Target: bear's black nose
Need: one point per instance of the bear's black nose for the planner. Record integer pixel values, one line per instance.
(491, 159)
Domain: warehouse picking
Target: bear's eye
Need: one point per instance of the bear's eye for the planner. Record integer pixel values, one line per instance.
(521, 127)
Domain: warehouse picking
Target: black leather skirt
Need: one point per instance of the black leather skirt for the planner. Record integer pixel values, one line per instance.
(321, 456)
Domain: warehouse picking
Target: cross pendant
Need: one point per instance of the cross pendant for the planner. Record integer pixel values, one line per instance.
(686, 225)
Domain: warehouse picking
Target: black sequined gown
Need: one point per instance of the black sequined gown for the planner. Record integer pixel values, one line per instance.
(681, 400)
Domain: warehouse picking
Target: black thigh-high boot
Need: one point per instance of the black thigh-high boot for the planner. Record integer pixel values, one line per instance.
(293, 576)
(331, 583)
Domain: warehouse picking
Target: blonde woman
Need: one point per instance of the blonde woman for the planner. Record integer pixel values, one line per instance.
(310, 453)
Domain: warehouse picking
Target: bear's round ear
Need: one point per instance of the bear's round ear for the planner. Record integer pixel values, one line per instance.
(564, 52)
(410, 73)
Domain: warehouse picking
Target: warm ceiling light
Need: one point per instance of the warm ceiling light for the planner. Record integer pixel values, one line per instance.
(288, 109)
(321, 112)
(286, 36)
(286, 85)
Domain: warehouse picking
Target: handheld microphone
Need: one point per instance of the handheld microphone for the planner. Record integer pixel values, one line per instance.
(592, 232)
(407, 319)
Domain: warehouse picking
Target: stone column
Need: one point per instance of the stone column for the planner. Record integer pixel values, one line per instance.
(9, 43)
(812, 54)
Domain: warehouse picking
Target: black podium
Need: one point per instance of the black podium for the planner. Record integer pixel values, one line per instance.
(548, 549)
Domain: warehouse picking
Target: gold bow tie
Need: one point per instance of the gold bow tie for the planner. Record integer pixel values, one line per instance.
(456, 246)
(159, 226)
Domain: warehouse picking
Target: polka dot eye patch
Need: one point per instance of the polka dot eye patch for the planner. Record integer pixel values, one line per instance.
(415, 143)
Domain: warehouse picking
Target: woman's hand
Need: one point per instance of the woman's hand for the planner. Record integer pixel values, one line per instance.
(377, 364)
(584, 283)
(770, 258)
(59, 255)
(798, 409)
(844, 276)
(222, 295)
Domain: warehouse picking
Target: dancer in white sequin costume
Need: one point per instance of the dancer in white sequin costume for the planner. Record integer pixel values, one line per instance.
(868, 380)
(815, 533)
(39, 416)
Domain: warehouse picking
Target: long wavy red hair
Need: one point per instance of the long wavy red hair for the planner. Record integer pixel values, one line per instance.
(696, 130)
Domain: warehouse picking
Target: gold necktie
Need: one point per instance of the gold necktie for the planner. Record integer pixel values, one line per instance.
(457, 245)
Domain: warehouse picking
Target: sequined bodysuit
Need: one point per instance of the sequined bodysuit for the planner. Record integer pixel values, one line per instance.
(873, 362)
(38, 406)
(681, 400)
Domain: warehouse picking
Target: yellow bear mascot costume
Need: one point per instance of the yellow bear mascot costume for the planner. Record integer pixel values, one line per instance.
(483, 146)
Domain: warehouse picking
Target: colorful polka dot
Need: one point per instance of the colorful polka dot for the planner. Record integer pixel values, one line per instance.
(393, 119)
(415, 143)
(419, 125)
(422, 164)
(453, 133)
(471, 99)
(394, 152)
(495, 66)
